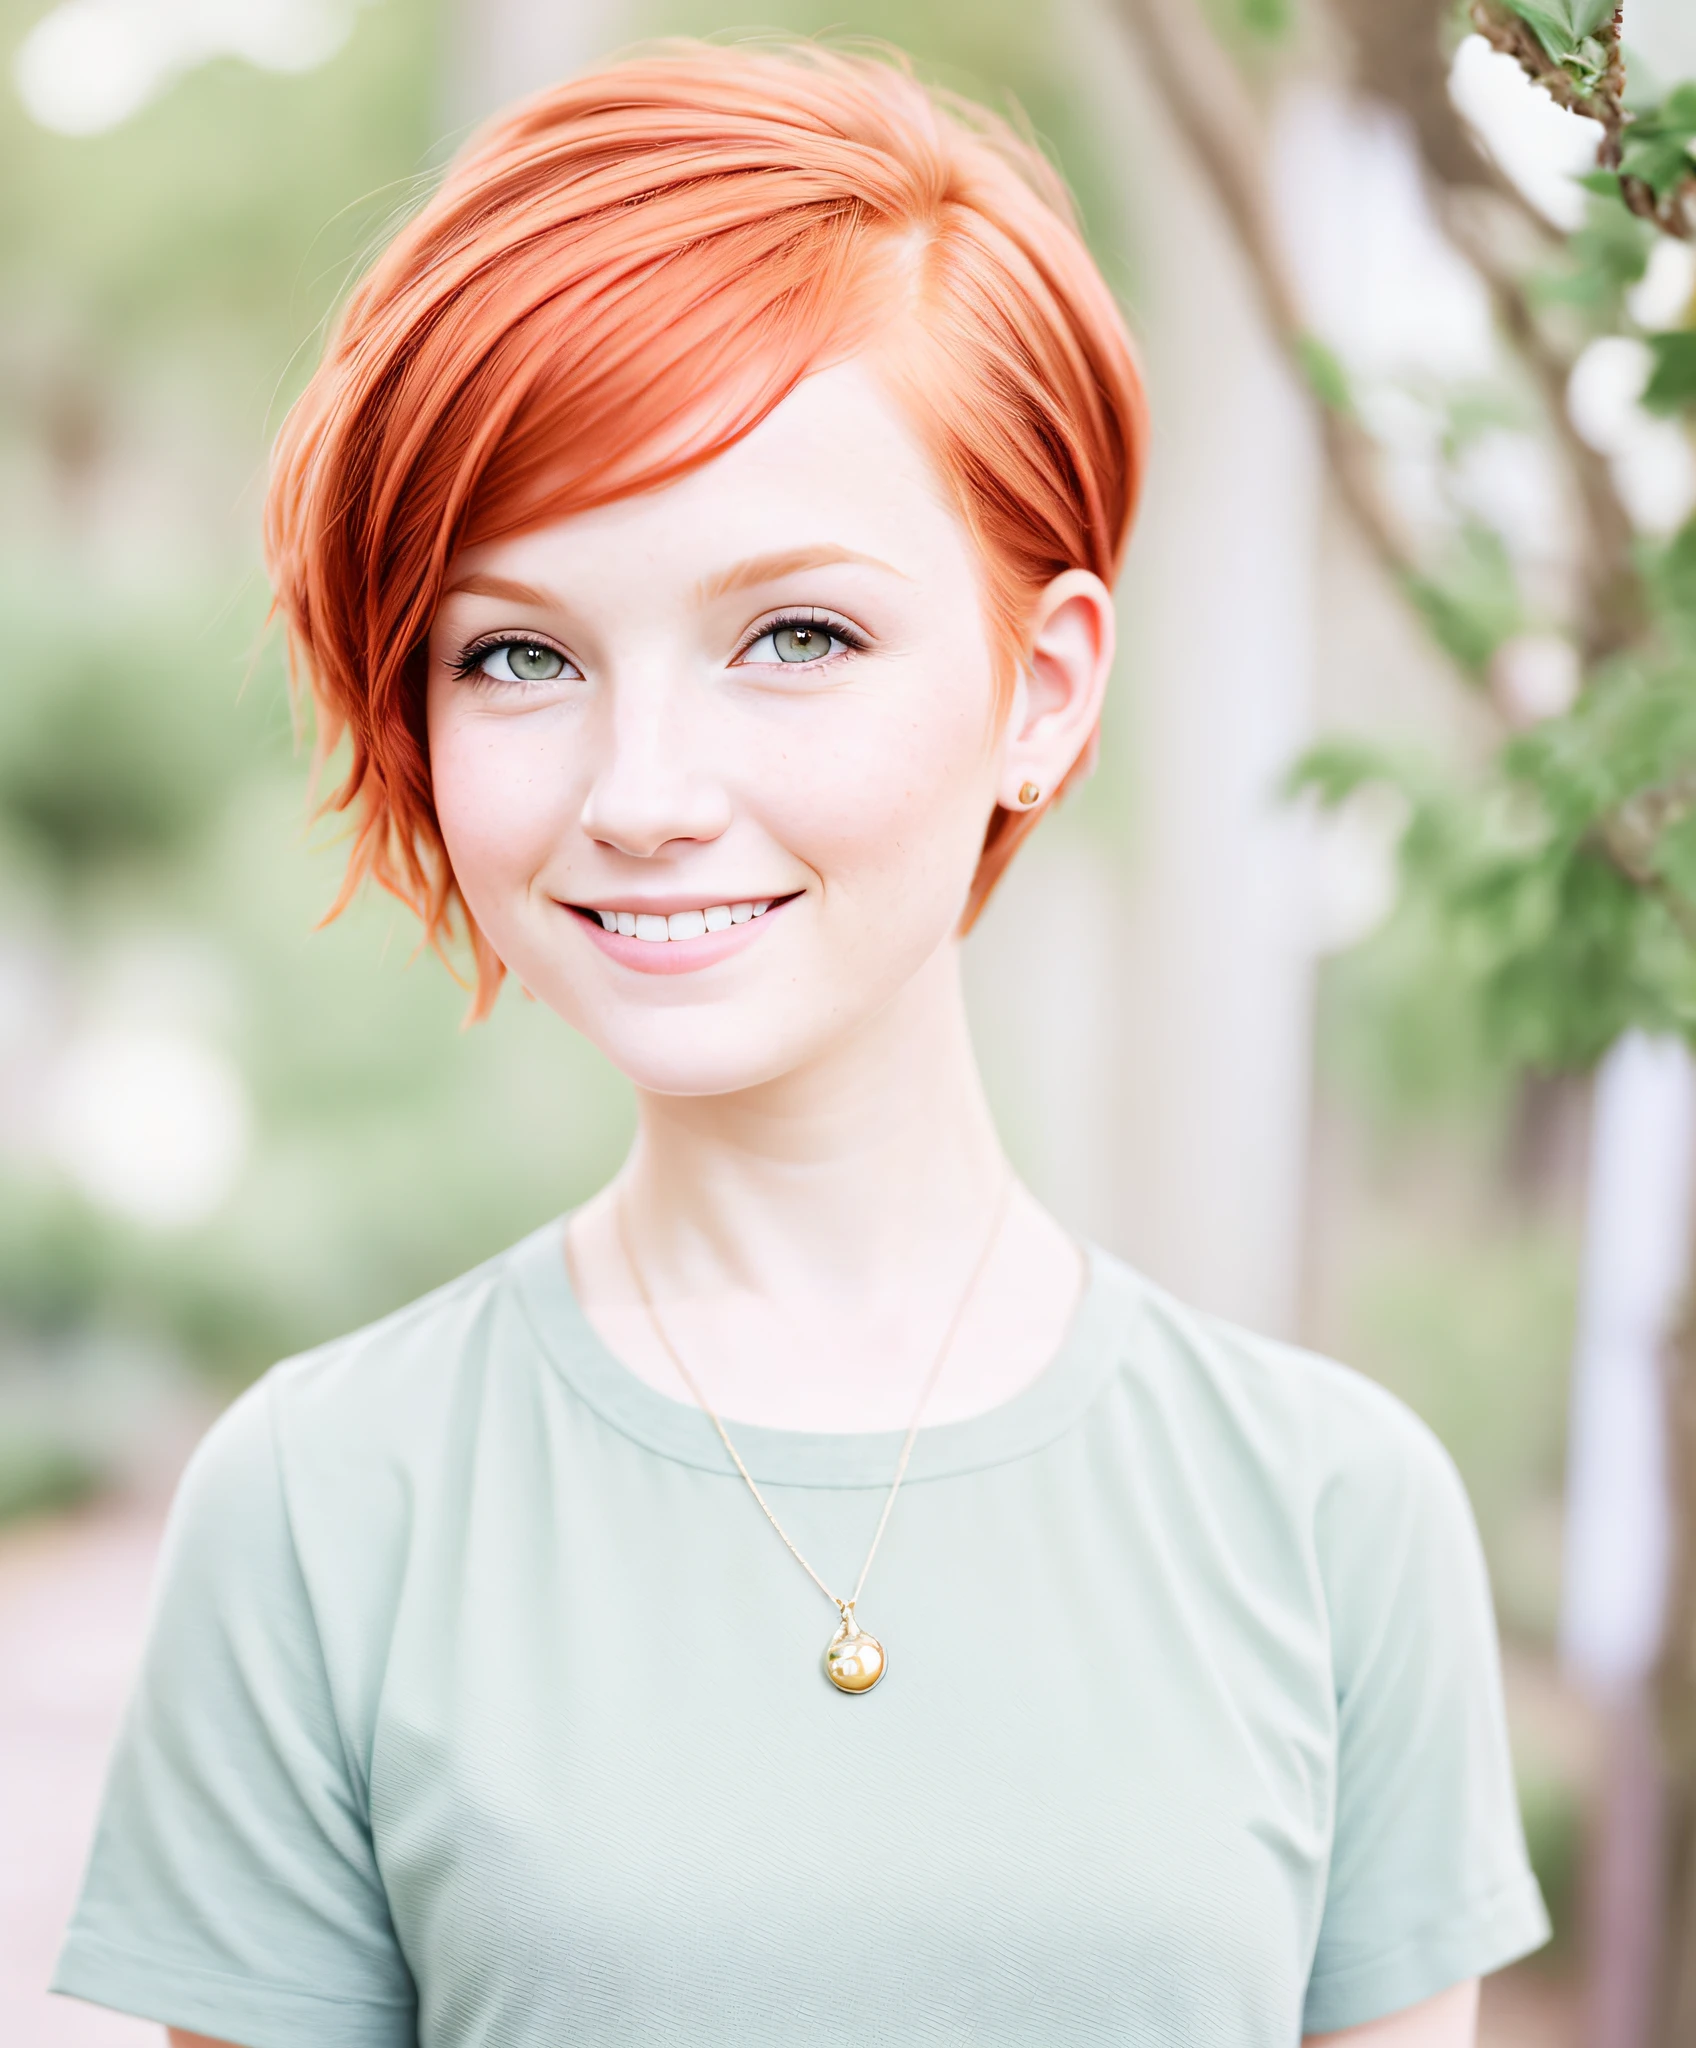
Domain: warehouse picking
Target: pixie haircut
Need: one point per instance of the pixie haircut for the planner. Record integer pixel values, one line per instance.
(616, 280)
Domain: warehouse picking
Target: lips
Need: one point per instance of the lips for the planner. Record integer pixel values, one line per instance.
(678, 941)
(657, 930)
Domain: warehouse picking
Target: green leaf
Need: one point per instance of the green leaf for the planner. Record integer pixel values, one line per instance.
(1510, 900)
(1672, 578)
(1562, 26)
(1473, 604)
(1334, 769)
(1603, 260)
(1675, 856)
(1672, 383)
(1659, 144)
(1270, 20)
(1326, 377)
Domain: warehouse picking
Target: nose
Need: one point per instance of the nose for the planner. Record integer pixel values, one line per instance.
(653, 784)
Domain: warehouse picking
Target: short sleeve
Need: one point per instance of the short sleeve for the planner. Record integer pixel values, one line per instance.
(232, 1888)
(1429, 1882)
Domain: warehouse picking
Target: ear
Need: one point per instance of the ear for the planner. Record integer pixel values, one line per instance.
(1058, 695)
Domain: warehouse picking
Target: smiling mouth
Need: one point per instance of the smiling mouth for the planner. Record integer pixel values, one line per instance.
(681, 924)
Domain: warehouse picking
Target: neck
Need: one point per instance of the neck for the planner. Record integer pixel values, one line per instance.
(840, 1181)
(811, 1243)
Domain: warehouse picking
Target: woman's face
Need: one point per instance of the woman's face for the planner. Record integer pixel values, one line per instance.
(713, 764)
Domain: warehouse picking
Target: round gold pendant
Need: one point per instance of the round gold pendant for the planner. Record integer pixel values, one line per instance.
(854, 1661)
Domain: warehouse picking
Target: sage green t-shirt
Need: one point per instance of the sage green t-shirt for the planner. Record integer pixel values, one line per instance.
(482, 1706)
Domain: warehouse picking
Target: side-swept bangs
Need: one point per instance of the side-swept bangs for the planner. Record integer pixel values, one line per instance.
(615, 281)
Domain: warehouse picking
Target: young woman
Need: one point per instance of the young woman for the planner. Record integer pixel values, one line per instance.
(805, 1595)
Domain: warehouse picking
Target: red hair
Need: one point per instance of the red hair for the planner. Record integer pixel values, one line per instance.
(616, 280)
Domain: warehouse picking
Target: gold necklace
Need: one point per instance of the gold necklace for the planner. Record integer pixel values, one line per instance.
(854, 1661)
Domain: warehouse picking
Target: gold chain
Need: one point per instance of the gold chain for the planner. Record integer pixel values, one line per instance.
(844, 1607)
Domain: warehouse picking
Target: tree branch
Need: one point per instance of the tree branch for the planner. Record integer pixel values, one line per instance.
(1222, 127)
(1398, 58)
(1611, 613)
(1674, 212)
(1225, 133)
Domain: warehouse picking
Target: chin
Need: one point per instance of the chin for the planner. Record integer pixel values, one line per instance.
(733, 1055)
(668, 1036)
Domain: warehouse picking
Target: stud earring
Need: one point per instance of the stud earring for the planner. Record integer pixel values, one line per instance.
(1028, 793)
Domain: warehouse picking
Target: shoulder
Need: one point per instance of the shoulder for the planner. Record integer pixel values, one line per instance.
(1338, 1449)
(309, 1496)
(1268, 1392)
(354, 1433)
(407, 1362)
(383, 1405)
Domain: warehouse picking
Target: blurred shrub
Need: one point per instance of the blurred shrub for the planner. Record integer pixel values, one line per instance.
(1553, 1814)
(165, 284)
(38, 1474)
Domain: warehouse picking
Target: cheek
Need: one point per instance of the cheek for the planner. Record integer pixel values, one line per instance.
(898, 798)
(499, 800)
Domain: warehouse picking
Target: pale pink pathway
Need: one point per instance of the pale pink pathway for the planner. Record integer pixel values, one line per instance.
(73, 1607)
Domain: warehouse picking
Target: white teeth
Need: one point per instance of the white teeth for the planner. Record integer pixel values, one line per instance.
(681, 924)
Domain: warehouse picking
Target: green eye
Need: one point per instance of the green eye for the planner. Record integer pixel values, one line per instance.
(522, 661)
(801, 643)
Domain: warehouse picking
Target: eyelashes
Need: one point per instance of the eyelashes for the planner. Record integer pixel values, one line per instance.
(803, 637)
(513, 659)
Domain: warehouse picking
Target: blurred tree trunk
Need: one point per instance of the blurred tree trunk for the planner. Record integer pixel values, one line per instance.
(1620, 1578)
(1204, 1075)
(1676, 2026)
(1636, 1262)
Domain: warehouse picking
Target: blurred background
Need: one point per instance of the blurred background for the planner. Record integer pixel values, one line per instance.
(1226, 1033)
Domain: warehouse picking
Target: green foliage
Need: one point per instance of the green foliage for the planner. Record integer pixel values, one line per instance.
(40, 1474)
(1472, 604)
(1268, 20)
(1474, 1333)
(1602, 260)
(164, 282)
(1671, 576)
(231, 209)
(1326, 377)
(109, 742)
(1255, 31)
(1553, 1816)
(1555, 898)
(1564, 889)
(1567, 30)
(1660, 144)
(1672, 382)
(1400, 1033)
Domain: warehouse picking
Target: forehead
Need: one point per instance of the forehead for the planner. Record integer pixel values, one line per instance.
(835, 466)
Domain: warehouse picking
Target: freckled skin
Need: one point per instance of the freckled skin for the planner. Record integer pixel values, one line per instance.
(864, 781)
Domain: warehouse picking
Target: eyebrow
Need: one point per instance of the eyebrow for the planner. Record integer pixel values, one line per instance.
(503, 587)
(770, 568)
(756, 569)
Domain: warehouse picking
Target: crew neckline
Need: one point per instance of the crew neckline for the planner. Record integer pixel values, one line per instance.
(682, 1432)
